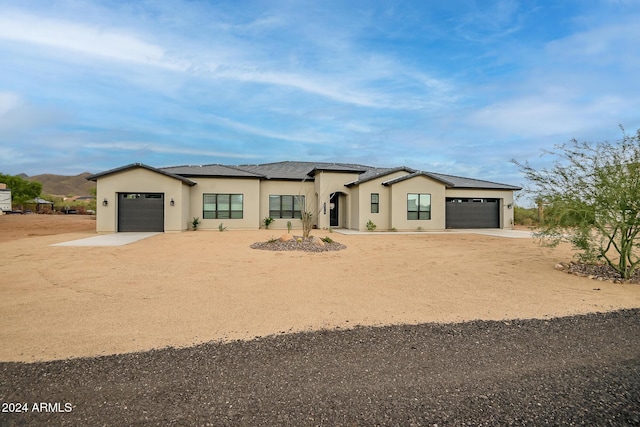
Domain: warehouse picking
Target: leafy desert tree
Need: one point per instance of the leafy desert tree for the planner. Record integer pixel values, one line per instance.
(591, 198)
(21, 189)
(306, 215)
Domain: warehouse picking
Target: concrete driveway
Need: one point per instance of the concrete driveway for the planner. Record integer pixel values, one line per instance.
(115, 239)
(120, 239)
(496, 232)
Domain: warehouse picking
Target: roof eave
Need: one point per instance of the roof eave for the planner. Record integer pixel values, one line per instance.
(321, 169)
(186, 176)
(510, 188)
(96, 176)
(389, 172)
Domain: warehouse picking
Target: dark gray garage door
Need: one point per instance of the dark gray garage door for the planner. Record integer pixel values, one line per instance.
(473, 213)
(140, 212)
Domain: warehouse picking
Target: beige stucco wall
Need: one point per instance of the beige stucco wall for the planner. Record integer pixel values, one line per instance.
(505, 196)
(422, 185)
(354, 206)
(248, 187)
(284, 188)
(326, 183)
(382, 219)
(140, 180)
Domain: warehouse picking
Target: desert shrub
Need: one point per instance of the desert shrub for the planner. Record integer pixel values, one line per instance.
(267, 222)
(525, 216)
(371, 226)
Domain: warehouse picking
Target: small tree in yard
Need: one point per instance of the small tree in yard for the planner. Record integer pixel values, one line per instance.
(307, 223)
(306, 215)
(591, 198)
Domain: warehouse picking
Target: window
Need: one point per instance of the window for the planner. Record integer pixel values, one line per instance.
(375, 203)
(418, 206)
(222, 206)
(286, 206)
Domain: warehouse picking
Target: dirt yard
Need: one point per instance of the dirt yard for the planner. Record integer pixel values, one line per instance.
(194, 287)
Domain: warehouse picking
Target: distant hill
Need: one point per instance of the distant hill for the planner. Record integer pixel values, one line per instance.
(62, 185)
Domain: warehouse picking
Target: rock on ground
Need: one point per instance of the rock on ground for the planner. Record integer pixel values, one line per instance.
(582, 370)
(296, 243)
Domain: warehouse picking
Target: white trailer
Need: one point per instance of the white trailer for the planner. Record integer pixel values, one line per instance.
(5, 198)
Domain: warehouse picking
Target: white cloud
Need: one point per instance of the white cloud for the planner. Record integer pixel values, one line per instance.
(574, 86)
(262, 132)
(540, 116)
(119, 45)
(490, 21)
(234, 59)
(8, 102)
(615, 43)
(155, 148)
(17, 115)
(304, 83)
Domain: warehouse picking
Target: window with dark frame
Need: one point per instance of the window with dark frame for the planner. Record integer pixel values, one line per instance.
(418, 206)
(285, 206)
(222, 206)
(375, 203)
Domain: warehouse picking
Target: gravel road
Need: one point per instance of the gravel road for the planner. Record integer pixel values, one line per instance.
(582, 370)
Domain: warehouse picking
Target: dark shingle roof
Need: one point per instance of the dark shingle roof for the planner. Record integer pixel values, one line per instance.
(299, 171)
(374, 173)
(452, 181)
(212, 170)
(462, 182)
(143, 166)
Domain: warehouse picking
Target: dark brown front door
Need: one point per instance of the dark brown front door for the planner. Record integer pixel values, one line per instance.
(334, 219)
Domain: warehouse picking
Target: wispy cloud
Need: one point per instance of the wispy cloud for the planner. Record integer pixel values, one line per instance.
(575, 85)
(295, 136)
(18, 117)
(156, 148)
(125, 46)
(8, 102)
(109, 43)
(461, 86)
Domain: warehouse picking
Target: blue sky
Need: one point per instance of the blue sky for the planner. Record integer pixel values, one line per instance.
(458, 87)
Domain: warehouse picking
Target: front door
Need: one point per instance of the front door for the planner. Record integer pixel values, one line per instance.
(334, 220)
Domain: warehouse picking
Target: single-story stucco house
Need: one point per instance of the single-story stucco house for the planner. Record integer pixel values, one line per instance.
(138, 197)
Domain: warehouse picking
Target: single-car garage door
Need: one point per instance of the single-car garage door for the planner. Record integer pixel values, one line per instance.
(140, 212)
(473, 213)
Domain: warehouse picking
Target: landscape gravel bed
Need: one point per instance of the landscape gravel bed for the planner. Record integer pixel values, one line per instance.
(580, 370)
(597, 272)
(298, 244)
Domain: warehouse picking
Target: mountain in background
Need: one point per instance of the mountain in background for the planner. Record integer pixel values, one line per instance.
(62, 185)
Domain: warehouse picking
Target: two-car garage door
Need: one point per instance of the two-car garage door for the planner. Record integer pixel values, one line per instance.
(473, 213)
(140, 212)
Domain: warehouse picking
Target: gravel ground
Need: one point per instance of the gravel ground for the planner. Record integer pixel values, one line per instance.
(582, 370)
(598, 271)
(301, 245)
